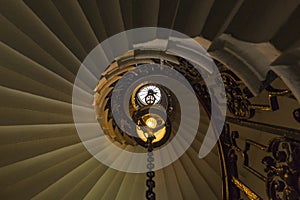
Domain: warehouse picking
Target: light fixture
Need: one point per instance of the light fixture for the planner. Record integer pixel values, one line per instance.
(153, 125)
(149, 95)
(151, 122)
(153, 128)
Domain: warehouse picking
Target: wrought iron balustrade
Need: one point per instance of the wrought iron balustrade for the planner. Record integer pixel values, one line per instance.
(279, 167)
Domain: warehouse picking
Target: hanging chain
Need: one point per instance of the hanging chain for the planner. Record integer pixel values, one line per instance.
(150, 195)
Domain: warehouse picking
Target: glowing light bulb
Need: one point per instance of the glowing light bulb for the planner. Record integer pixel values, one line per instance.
(151, 123)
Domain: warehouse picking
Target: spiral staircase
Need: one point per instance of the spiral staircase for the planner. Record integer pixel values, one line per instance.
(256, 45)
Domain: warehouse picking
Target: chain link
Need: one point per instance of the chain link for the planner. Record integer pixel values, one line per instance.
(150, 195)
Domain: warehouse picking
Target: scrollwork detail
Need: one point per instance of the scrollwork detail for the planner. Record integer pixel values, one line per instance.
(283, 169)
(237, 102)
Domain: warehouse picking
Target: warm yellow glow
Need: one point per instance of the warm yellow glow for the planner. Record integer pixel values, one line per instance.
(151, 122)
(158, 134)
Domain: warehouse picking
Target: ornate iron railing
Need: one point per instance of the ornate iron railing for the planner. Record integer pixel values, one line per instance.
(280, 153)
